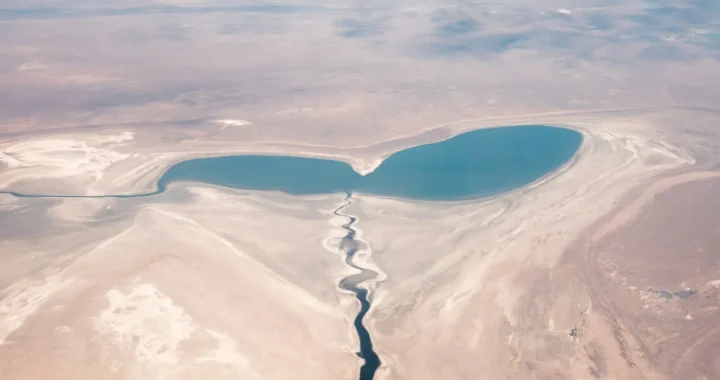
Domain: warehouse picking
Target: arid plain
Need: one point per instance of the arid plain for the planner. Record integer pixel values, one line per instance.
(607, 268)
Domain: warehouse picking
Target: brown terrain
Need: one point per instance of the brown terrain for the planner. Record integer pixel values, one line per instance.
(657, 280)
(607, 268)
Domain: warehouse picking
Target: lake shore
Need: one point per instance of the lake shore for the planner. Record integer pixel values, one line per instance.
(485, 281)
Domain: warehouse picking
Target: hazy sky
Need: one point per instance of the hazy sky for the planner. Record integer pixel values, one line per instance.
(65, 63)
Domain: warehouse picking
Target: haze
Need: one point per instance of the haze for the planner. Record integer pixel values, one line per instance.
(605, 267)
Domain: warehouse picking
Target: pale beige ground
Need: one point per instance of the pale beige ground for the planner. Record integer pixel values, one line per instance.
(670, 246)
(212, 283)
(220, 285)
(153, 287)
(497, 303)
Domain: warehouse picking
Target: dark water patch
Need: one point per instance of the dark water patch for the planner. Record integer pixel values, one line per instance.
(353, 284)
(69, 196)
(683, 294)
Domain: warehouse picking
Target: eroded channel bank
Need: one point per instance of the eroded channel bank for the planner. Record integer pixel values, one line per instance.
(354, 283)
(471, 165)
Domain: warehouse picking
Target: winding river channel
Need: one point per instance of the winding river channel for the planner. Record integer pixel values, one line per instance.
(350, 245)
(471, 165)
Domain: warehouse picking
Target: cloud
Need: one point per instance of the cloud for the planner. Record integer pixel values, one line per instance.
(600, 21)
(75, 12)
(457, 27)
(32, 66)
(359, 28)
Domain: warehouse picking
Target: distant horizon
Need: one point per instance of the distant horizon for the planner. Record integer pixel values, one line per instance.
(404, 189)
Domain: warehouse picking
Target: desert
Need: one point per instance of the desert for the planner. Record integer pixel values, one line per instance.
(604, 266)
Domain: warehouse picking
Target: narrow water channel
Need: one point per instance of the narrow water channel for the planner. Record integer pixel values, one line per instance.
(353, 283)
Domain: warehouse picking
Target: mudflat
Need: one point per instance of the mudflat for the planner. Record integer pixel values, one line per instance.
(599, 267)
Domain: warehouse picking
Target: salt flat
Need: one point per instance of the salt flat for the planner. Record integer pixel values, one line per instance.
(172, 292)
(561, 279)
(147, 283)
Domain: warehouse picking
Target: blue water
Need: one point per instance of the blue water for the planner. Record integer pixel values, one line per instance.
(474, 164)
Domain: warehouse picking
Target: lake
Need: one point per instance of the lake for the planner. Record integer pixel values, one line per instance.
(470, 165)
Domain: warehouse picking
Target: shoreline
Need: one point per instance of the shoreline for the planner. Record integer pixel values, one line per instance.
(443, 275)
(155, 188)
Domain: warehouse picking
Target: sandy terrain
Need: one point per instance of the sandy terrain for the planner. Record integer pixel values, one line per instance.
(156, 291)
(573, 277)
(656, 276)
(502, 281)
(231, 284)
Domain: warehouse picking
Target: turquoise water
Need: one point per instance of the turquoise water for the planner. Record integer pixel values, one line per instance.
(474, 164)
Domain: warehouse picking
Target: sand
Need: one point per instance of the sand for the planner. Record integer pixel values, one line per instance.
(204, 281)
(153, 290)
(654, 277)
